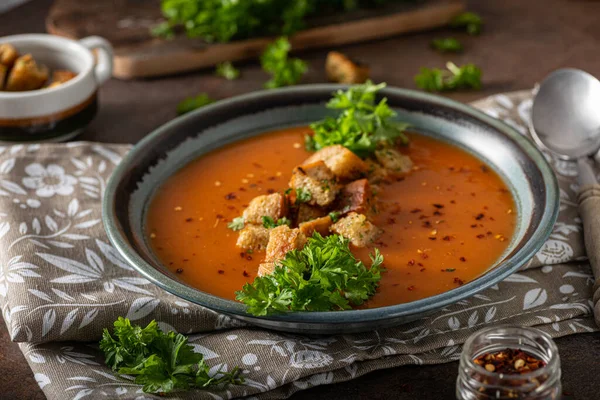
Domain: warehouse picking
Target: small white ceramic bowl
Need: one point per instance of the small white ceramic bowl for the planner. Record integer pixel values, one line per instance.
(59, 113)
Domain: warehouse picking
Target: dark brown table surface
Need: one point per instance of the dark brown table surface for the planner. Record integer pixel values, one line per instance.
(523, 41)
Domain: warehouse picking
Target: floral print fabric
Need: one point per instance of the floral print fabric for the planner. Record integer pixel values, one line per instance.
(61, 283)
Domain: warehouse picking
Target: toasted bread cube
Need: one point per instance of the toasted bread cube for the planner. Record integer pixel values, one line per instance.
(26, 75)
(283, 239)
(253, 237)
(3, 73)
(62, 76)
(394, 161)
(345, 164)
(320, 225)
(306, 212)
(8, 55)
(266, 268)
(271, 205)
(339, 68)
(355, 196)
(357, 228)
(318, 180)
(376, 173)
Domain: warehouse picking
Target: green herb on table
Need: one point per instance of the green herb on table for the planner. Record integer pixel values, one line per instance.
(454, 78)
(362, 124)
(269, 222)
(228, 71)
(162, 362)
(285, 71)
(192, 103)
(237, 224)
(447, 45)
(303, 195)
(323, 276)
(470, 21)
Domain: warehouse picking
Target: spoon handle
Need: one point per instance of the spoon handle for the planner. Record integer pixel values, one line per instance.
(589, 210)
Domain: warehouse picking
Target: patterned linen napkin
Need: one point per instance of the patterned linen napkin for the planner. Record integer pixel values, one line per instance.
(61, 282)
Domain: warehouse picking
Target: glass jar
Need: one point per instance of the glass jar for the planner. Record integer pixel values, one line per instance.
(475, 382)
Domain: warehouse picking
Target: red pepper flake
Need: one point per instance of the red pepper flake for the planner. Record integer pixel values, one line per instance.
(438, 206)
(411, 287)
(221, 272)
(452, 202)
(179, 270)
(270, 191)
(391, 221)
(186, 260)
(484, 169)
(480, 236)
(246, 274)
(479, 216)
(420, 264)
(189, 219)
(243, 255)
(451, 168)
(459, 281)
(492, 218)
(474, 226)
(230, 196)
(423, 216)
(220, 216)
(272, 178)
(257, 165)
(396, 284)
(446, 238)
(242, 189)
(489, 233)
(411, 262)
(510, 362)
(462, 259)
(437, 213)
(422, 269)
(426, 224)
(432, 238)
(415, 210)
(400, 179)
(424, 256)
(473, 194)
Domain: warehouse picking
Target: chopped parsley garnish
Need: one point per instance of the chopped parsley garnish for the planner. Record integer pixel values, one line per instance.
(192, 103)
(323, 276)
(436, 80)
(335, 216)
(287, 191)
(228, 71)
(285, 71)
(162, 362)
(237, 224)
(362, 124)
(269, 222)
(303, 195)
(470, 21)
(447, 45)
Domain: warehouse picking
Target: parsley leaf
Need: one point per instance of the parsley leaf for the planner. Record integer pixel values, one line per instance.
(162, 362)
(362, 124)
(335, 216)
(237, 224)
(228, 71)
(323, 276)
(302, 195)
(447, 45)
(436, 80)
(468, 20)
(269, 223)
(191, 103)
(286, 71)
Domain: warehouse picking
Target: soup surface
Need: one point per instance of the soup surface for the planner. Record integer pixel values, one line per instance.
(445, 223)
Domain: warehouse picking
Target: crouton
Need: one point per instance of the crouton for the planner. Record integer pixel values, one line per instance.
(376, 173)
(357, 228)
(281, 240)
(316, 179)
(345, 164)
(307, 212)
(253, 237)
(355, 196)
(394, 161)
(339, 68)
(266, 268)
(320, 225)
(62, 75)
(26, 75)
(3, 72)
(272, 205)
(8, 55)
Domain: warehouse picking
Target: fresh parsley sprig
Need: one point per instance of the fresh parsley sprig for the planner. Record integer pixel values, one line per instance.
(162, 362)
(470, 21)
(285, 71)
(270, 223)
(302, 195)
(362, 124)
(192, 103)
(323, 276)
(454, 78)
(236, 224)
(447, 45)
(227, 70)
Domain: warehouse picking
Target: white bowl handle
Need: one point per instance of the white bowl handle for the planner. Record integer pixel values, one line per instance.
(104, 65)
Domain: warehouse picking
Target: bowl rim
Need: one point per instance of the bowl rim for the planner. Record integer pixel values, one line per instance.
(486, 280)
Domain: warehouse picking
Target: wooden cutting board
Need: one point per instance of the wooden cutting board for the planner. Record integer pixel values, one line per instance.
(126, 24)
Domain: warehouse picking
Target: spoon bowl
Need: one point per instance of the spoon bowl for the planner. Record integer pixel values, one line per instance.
(566, 114)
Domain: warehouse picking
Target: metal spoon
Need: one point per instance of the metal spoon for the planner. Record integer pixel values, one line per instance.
(566, 121)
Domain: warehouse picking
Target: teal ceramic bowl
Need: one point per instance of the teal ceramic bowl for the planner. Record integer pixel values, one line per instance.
(172, 146)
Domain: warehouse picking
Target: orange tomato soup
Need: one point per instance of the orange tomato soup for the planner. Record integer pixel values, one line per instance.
(445, 223)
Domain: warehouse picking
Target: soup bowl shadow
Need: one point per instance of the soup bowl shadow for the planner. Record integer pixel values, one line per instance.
(166, 150)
